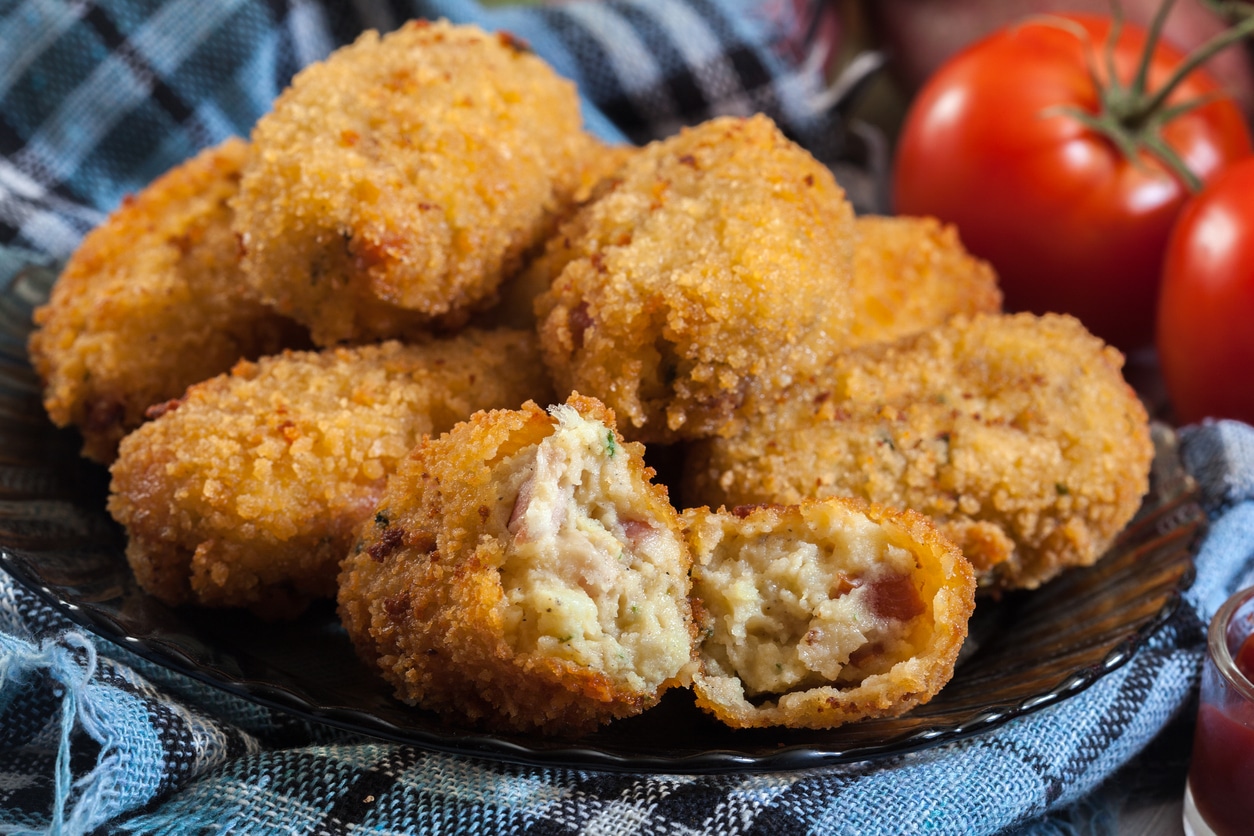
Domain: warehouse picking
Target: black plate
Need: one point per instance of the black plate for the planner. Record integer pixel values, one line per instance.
(1025, 652)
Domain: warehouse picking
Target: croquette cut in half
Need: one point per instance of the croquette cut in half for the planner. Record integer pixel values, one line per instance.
(403, 178)
(152, 301)
(714, 264)
(248, 491)
(523, 573)
(824, 613)
(1016, 433)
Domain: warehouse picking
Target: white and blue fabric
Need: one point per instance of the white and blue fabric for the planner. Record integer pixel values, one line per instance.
(97, 98)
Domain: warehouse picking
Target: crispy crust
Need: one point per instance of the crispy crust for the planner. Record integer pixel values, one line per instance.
(402, 179)
(246, 493)
(1017, 434)
(515, 307)
(441, 591)
(910, 274)
(151, 302)
(824, 613)
(716, 263)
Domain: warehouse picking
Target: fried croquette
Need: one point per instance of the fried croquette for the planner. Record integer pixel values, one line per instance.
(151, 302)
(716, 263)
(523, 573)
(912, 273)
(1017, 434)
(247, 491)
(515, 305)
(402, 179)
(824, 613)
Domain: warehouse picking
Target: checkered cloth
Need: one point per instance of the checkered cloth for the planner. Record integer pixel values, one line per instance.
(97, 98)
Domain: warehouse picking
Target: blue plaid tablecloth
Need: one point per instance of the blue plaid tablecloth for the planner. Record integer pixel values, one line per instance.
(97, 98)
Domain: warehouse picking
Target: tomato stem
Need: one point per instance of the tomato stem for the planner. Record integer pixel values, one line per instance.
(1132, 116)
(1162, 149)
(1114, 86)
(1230, 9)
(1159, 21)
(1196, 58)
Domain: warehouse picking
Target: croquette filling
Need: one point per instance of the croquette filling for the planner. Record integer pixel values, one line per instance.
(792, 611)
(589, 575)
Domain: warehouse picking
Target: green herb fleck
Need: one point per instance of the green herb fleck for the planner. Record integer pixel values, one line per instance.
(611, 446)
(1061, 489)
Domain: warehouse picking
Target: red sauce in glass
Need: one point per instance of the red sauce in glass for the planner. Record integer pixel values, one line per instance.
(1222, 774)
(1245, 658)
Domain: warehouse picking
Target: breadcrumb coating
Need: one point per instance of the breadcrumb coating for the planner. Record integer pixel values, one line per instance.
(402, 179)
(1017, 434)
(912, 273)
(523, 573)
(247, 491)
(151, 302)
(824, 613)
(716, 263)
(515, 306)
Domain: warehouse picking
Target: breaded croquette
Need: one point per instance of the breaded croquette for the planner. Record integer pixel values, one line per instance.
(152, 301)
(515, 305)
(402, 179)
(523, 573)
(1017, 434)
(247, 491)
(715, 264)
(824, 613)
(910, 274)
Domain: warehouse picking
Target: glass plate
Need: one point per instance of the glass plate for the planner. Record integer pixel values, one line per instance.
(1025, 651)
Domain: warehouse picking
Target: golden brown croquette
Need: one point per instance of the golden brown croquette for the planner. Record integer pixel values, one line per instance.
(824, 613)
(247, 491)
(151, 302)
(910, 274)
(523, 573)
(402, 179)
(716, 263)
(1017, 434)
(515, 305)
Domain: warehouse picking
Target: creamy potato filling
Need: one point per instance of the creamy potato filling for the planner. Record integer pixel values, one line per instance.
(791, 610)
(589, 575)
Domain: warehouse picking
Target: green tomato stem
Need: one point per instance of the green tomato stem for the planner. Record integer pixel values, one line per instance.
(1141, 80)
(1195, 59)
(1132, 116)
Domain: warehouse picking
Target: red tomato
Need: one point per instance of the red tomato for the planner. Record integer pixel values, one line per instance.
(1206, 312)
(1069, 222)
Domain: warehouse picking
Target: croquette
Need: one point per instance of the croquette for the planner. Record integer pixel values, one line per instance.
(397, 183)
(715, 263)
(1018, 434)
(912, 273)
(523, 573)
(151, 302)
(824, 613)
(515, 305)
(246, 492)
